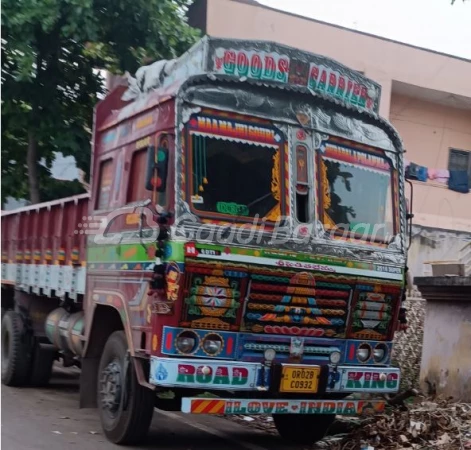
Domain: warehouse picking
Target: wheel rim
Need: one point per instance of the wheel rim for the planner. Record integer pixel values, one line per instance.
(111, 388)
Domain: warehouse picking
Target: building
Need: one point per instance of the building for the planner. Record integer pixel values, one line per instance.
(425, 94)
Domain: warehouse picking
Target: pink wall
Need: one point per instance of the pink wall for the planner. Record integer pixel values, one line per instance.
(428, 131)
(379, 59)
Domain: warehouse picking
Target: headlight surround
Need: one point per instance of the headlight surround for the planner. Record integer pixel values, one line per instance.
(363, 352)
(380, 353)
(187, 342)
(212, 344)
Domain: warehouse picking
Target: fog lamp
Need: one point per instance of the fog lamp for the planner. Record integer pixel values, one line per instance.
(269, 354)
(335, 357)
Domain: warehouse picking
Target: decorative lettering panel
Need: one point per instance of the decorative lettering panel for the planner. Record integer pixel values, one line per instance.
(275, 63)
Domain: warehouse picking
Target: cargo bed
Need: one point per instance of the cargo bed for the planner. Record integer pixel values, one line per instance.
(43, 247)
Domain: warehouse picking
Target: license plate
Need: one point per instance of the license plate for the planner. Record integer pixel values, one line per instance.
(299, 379)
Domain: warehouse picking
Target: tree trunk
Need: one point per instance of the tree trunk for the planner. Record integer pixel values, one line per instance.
(32, 162)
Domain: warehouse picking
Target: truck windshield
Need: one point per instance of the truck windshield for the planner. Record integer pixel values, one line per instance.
(235, 178)
(357, 197)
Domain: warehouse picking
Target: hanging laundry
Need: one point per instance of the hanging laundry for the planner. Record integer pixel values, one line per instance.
(411, 171)
(439, 175)
(416, 172)
(459, 181)
(422, 173)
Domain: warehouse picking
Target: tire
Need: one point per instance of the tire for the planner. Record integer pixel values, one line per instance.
(16, 351)
(41, 367)
(303, 428)
(125, 418)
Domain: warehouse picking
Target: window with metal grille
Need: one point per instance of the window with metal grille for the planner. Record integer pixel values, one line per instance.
(460, 160)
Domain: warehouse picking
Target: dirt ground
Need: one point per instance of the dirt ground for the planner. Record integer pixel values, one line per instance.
(49, 419)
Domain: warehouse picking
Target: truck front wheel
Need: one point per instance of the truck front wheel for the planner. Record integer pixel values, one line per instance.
(125, 406)
(303, 428)
(16, 351)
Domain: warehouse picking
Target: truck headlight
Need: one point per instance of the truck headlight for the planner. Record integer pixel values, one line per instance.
(212, 344)
(363, 352)
(380, 352)
(186, 342)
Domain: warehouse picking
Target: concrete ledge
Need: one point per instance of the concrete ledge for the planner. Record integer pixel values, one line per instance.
(444, 289)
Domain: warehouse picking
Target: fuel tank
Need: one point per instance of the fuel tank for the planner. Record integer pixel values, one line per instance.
(65, 330)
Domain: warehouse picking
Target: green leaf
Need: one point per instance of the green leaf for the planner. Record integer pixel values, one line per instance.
(50, 49)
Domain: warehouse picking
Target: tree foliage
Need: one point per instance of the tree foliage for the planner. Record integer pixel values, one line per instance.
(50, 52)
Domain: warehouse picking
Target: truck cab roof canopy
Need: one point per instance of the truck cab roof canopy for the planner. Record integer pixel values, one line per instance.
(261, 63)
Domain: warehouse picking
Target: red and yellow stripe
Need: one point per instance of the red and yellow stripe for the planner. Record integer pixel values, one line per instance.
(356, 145)
(205, 406)
(235, 116)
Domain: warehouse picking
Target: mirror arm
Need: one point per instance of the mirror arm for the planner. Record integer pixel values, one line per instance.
(410, 215)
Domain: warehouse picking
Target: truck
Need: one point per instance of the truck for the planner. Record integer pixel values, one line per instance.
(242, 249)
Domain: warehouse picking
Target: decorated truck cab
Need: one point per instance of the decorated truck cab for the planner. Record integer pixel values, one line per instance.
(242, 250)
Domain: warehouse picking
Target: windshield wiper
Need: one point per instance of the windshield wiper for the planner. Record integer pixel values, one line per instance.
(259, 199)
(238, 217)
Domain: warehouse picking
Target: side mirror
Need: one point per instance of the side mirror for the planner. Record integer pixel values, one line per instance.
(157, 168)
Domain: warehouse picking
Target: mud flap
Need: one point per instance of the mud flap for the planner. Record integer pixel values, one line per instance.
(88, 382)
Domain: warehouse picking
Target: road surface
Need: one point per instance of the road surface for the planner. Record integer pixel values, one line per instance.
(49, 419)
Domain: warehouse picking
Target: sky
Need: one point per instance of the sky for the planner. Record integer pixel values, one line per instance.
(432, 24)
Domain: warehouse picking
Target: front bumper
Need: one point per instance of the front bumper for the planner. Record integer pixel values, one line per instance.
(209, 374)
(195, 405)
